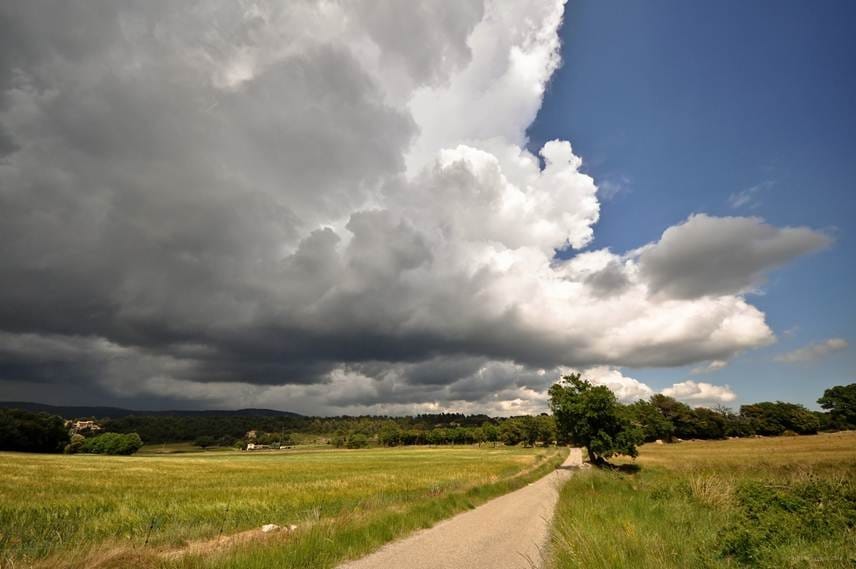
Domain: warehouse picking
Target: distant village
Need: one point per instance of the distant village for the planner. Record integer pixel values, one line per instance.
(81, 426)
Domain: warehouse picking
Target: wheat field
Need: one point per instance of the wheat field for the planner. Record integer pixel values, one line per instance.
(82, 511)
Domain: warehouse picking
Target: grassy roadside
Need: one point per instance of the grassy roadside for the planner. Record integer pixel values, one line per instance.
(770, 503)
(95, 511)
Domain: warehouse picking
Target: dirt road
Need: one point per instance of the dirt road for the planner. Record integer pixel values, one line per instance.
(509, 532)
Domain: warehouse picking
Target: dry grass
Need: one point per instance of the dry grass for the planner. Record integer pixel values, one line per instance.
(705, 504)
(826, 452)
(711, 490)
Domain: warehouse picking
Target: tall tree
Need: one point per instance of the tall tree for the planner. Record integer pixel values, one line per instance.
(590, 416)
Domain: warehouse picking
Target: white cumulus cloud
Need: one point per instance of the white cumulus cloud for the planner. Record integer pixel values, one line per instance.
(701, 393)
(626, 389)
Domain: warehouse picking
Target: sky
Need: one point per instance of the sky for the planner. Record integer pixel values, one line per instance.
(408, 207)
(730, 109)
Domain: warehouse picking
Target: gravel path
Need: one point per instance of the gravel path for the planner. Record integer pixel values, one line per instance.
(508, 532)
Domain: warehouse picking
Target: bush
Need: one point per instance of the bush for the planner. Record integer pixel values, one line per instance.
(204, 441)
(357, 440)
(75, 444)
(772, 516)
(113, 443)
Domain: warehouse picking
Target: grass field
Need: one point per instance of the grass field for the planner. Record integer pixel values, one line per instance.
(772, 503)
(97, 511)
(179, 448)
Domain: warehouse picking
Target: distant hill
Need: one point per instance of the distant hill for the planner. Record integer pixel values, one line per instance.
(71, 412)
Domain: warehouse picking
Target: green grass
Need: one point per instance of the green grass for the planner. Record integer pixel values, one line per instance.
(771, 503)
(87, 511)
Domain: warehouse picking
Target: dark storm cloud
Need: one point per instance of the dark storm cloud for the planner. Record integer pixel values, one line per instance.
(218, 202)
(146, 207)
(143, 205)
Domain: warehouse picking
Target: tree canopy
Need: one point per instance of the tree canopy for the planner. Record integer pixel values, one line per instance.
(32, 432)
(840, 401)
(768, 418)
(590, 416)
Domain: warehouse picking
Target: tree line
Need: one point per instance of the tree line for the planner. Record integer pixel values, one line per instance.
(27, 431)
(665, 418)
(658, 418)
(527, 430)
(32, 432)
(180, 428)
(590, 416)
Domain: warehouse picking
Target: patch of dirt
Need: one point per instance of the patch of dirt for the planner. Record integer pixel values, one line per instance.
(224, 542)
(107, 556)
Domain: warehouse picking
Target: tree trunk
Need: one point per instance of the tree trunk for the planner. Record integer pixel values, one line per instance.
(593, 458)
(596, 460)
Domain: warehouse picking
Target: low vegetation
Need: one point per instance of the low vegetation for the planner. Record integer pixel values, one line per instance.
(102, 511)
(112, 443)
(759, 502)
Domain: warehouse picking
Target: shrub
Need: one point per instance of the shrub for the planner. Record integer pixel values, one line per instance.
(770, 516)
(204, 441)
(75, 444)
(113, 443)
(358, 440)
(711, 490)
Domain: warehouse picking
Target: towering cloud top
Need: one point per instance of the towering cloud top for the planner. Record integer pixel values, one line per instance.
(327, 207)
